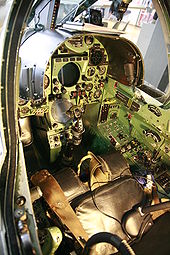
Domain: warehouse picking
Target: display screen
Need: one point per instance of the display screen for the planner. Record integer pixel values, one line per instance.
(69, 74)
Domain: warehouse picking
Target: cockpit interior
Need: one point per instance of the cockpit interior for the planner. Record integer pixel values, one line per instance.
(93, 159)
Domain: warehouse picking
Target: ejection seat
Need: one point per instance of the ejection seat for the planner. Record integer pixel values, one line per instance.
(110, 195)
(109, 199)
(101, 202)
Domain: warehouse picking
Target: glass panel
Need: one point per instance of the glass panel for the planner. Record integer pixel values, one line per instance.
(65, 7)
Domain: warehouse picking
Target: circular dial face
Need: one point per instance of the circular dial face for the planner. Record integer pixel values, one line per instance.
(89, 39)
(69, 74)
(89, 86)
(97, 93)
(102, 70)
(90, 71)
(96, 57)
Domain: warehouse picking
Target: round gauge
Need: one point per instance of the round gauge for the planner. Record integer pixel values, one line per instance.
(69, 74)
(97, 93)
(55, 82)
(89, 39)
(88, 86)
(56, 89)
(59, 109)
(25, 110)
(102, 70)
(90, 71)
(96, 57)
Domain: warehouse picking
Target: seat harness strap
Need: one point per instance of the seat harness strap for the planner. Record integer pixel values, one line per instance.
(54, 196)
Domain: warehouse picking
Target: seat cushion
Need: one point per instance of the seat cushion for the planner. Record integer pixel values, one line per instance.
(70, 183)
(116, 163)
(113, 199)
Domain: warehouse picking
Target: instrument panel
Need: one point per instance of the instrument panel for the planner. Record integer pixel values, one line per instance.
(77, 70)
(103, 74)
(73, 77)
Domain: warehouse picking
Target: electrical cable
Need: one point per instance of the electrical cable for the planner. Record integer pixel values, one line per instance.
(93, 196)
(141, 176)
(144, 225)
(145, 220)
(153, 182)
(110, 238)
(94, 202)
